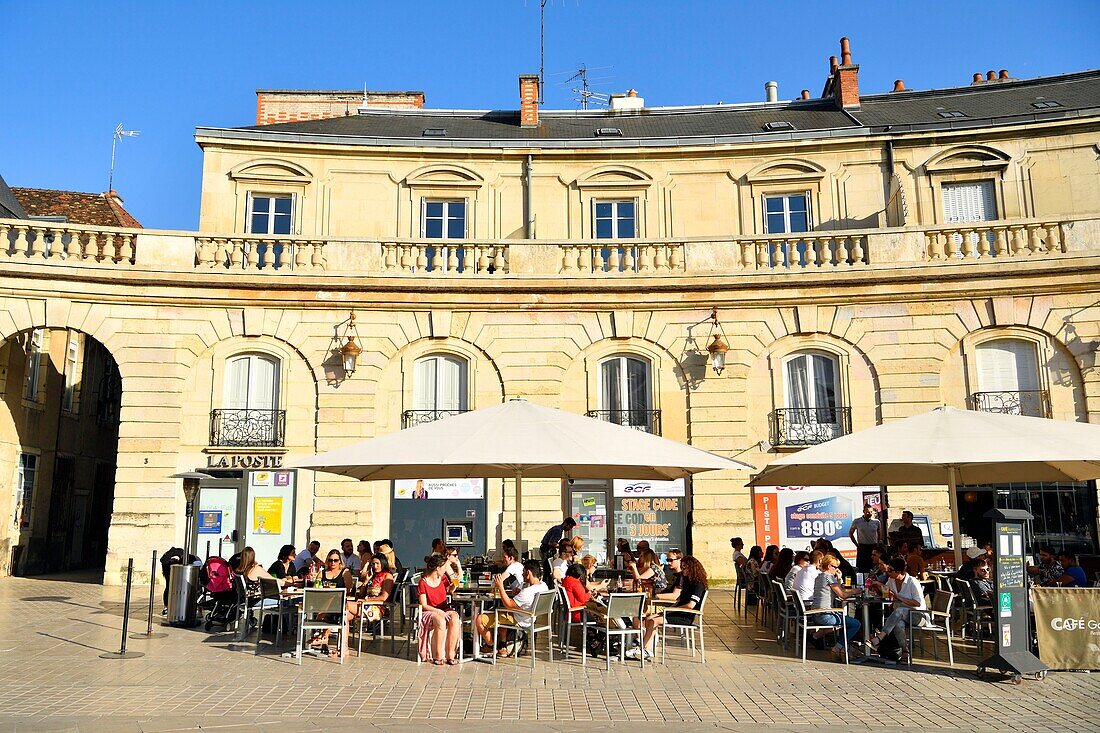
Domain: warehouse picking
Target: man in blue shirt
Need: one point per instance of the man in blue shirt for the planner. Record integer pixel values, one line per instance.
(1074, 576)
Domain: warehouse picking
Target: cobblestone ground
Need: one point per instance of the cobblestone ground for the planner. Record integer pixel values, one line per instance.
(52, 632)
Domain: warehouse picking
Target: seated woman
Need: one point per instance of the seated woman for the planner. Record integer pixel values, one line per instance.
(828, 587)
(453, 568)
(692, 589)
(782, 565)
(252, 571)
(364, 551)
(588, 562)
(284, 567)
(335, 574)
(648, 575)
(622, 547)
(440, 630)
(372, 597)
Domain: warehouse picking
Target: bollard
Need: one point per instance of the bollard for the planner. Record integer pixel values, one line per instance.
(208, 549)
(220, 547)
(122, 653)
(149, 633)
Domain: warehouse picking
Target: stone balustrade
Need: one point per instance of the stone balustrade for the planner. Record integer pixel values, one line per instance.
(35, 241)
(30, 241)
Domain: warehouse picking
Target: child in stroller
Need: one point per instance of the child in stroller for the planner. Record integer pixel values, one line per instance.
(220, 598)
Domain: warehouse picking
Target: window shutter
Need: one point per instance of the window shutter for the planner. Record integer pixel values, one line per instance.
(610, 397)
(637, 382)
(263, 383)
(452, 384)
(1007, 365)
(964, 202)
(237, 384)
(424, 384)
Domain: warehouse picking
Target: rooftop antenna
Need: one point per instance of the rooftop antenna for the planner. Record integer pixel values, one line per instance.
(119, 134)
(584, 92)
(542, 51)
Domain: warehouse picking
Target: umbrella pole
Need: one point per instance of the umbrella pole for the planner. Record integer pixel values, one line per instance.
(953, 502)
(519, 505)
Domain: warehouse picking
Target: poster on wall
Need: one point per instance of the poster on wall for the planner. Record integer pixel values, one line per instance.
(267, 515)
(439, 488)
(269, 523)
(651, 511)
(795, 516)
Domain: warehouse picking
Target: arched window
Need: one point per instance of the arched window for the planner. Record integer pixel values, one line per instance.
(812, 412)
(1008, 378)
(250, 414)
(625, 393)
(440, 386)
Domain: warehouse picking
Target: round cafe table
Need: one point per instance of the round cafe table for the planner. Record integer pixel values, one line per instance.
(862, 603)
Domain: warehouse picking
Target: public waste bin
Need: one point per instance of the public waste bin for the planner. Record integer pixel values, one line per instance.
(183, 595)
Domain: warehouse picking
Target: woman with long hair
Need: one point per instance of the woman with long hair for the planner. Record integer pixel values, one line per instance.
(756, 557)
(782, 565)
(284, 566)
(692, 591)
(440, 630)
(769, 558)
(364, 551)
(647, 571)
(373, 595)
(335, 574)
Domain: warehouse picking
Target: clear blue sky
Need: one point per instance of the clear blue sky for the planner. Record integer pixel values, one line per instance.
(74, 70)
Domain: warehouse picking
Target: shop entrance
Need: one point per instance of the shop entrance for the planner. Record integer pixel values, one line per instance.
(1064, 513)
(239, 509)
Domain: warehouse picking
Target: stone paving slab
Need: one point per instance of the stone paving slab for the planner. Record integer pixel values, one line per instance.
(52, 679)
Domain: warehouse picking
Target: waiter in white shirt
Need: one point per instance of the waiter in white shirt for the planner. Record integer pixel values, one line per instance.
(866, 532)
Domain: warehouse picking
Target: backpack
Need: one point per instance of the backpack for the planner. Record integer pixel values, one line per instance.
(217, 576)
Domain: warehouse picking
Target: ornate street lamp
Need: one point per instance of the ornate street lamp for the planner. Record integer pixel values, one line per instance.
(350, 351)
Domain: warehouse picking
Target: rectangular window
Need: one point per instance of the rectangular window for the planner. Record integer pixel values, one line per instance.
(964, 202)
(443, 219)
(26, 473)
(788, 213)
(270, 214)
(35, 355)
(615, 219)
(69, 400)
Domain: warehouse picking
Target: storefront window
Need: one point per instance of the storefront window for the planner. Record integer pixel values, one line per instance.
(1065, 513)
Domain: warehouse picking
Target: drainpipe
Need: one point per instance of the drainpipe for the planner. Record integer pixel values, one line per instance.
(529, 224)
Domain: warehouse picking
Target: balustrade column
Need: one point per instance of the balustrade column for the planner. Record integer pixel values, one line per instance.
(1033, 243)
(1000, 243)
(858, 252)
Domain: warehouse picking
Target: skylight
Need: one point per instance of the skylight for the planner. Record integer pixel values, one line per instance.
(776, 126)
(1045, 104)
(951, 114)
(434, 132)
(609, 132)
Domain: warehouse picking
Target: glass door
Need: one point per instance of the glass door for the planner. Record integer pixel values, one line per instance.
(216, 519)
(588, 505)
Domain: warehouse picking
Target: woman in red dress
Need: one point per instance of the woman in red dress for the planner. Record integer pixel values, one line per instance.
(438, 620)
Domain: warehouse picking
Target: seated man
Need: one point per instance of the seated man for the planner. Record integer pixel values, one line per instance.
(906, 593)
(1049, 569)
(982, 583)
(1073, 575)
(970, 564)
(563, 560)
(801, 560)
(513, 570)
(802, 584)
(483, 624)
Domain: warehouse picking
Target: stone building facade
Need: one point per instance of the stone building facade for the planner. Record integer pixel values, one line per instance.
(866, 257)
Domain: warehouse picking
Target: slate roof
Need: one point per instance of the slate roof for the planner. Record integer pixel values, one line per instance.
(1001, 102)
(75, 207)
(9, 205)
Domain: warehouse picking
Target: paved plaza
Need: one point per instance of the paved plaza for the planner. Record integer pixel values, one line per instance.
(53, 631)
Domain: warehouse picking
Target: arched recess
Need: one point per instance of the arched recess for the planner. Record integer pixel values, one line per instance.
(968, 166)
(967, 157)
(1059, 374)
(785, 169)
(856, 380)
(270, 170)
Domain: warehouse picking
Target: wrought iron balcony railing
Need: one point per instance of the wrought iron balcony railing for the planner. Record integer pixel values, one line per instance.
(412, 418)
(801, 426)
(1030, 403)
(647, 420)
(248, 428)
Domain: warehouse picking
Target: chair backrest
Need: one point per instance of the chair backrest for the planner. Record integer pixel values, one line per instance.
(966, 594)
(322, 600)
(401, 576)
(781, 591)
(544, 603)
(942, 601)
(563, 597)
(799, 604)
(269, 588)
(625, 605)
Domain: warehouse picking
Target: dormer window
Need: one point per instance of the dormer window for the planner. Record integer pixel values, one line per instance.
(434, 132)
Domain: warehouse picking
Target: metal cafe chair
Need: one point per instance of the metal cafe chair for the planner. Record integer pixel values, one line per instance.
(317, 605)
(934, 621)
(972, 612)
(687, 630)
(623, 605)
(542, 606)
(271, 604)
(786, 616)
(566, 624)
(804, 626)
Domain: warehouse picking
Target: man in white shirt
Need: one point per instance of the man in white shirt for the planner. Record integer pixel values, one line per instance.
(523, 601)
(866, 533)
(512, 577)
(908, 596)
(350, 558)
(307, 557)
(803, 583)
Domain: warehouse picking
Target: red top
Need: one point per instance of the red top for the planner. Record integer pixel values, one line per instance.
(577, 594)
(437, 596)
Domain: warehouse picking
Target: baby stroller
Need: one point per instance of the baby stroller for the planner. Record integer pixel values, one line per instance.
(219, 598)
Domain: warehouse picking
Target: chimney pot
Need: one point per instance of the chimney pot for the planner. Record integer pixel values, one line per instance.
(990, 75)
(771, 91)
(977, 77)
(805, 93)
(529, 100)
(845, 52)
(832, 64)
(899, 85)
(631, 92)
(1004, 74)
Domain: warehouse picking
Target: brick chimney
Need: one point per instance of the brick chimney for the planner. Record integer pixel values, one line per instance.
(843, 82)
(529, 100)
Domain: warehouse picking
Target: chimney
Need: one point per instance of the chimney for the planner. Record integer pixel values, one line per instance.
(1003, 74)
(977, 78)
(991, 75)
(805, 93)
(771, 91)
(625, 102)
(899, 85)
(843, 82)
(529, 100)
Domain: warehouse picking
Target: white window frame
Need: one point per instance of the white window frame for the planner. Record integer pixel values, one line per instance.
(624, 407)
(32, 377)
(989, 184)
(69, 401)
(21, 498)
(446, 219)
(276, 383)
(253, 195)
(615, 218)
(803, 426)
(785, 197)
(464, 383)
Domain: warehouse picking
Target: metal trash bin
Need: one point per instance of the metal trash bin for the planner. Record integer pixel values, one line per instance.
(183, 595)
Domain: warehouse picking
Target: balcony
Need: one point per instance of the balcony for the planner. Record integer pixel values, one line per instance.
(1029, 403)
(797, 427)
(248, 428)
(646, 420)
(412, 418)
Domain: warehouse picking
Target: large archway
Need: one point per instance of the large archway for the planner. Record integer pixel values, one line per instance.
(58, 450)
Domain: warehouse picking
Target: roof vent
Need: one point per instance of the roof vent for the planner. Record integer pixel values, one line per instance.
(1045, 104)
(777, 126)
(609, 132)
(951, 114)
(434, 132)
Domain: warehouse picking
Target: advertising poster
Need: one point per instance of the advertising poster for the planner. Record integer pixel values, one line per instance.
(1067, 622)
(264, 478)
(267, 515)
(210, 521)
(650, 510)
(439, 488)
(795, 516)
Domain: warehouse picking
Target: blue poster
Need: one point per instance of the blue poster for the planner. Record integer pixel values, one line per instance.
(210, 521)
(830, 518)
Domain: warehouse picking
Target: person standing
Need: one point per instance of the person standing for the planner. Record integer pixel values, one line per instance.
(866, 533)
(908, 533)
(548, 547)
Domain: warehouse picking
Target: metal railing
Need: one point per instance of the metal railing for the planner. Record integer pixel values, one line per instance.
(412, 418)
(647, 420)
(248, 428)
(1030, 403)
(800, 426)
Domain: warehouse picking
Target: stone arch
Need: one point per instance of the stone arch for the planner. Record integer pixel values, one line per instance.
(613, 175)
(276, 170)
(786, 168)
(967, 157)
(449, 173)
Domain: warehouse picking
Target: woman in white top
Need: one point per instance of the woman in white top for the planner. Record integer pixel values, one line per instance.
(801, 560)
(906, 593)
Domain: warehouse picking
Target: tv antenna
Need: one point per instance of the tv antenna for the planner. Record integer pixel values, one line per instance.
(119, 134)
(542, 51)
(584, 92)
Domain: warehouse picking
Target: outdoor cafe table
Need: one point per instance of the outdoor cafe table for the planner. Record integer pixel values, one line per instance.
(479, 597)
(862, 601)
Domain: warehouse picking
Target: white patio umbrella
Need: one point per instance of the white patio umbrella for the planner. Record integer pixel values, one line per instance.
(518, 439)
(946, 446)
